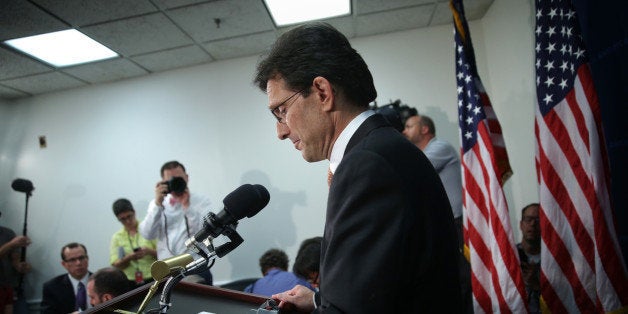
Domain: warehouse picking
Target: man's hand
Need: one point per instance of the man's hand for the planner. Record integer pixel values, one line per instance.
(22, 267)
(298, 298)
(161, 190)
(20, 241)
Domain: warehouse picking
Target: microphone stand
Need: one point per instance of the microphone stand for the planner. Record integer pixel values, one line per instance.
(20, 291)
(209, 254)
(193, 268)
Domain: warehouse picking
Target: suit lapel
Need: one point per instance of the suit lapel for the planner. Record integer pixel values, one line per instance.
(68, 290)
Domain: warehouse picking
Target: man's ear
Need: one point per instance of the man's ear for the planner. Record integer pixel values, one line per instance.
(423, 129)
(106, 297)
(324, 92)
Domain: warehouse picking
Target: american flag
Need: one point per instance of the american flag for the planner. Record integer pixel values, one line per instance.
(496, 278)
(581, 266)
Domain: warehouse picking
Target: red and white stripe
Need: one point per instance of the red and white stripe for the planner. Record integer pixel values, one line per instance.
(581, 265)
(495, 272)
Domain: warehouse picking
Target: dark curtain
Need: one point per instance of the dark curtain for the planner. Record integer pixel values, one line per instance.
(605, 32)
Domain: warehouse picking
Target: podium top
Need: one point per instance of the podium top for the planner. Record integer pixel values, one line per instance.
(186, 298)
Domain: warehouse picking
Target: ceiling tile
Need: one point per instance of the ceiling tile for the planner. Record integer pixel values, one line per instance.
(85, 12)
(42, 83)
(371, 6)
(139, 35)
(240, 46)
(237, 17)
(168, 4)
(13, 64)
(172, 58)
(158, 35)
(105, 71)
(19, 18)
(10, 93)
(345, 25)
(392, 21)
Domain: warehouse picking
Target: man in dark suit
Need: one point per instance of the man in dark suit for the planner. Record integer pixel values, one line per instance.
(61, 293)
(389, 244)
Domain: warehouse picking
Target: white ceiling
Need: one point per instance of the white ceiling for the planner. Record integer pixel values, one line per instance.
(159, 35)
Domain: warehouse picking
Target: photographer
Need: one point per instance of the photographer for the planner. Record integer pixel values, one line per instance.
(130, 252)
(175, 214)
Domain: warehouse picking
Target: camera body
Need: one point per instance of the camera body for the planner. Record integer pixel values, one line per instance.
(176, 185)
(396, 113)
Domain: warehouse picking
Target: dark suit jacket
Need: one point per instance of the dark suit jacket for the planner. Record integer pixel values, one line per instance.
(58, 296)
(389, 244)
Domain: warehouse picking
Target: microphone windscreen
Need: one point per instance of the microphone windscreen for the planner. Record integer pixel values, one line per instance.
(22, 185)
(246, 201)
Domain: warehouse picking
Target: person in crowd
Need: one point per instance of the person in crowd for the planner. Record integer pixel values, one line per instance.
(129, 251)
(11, 267)
(420, 130)
(307, 263)
(175, 214)
(530, 254)
(106, 284)
(277, 278)
(67, 293)
(389, 244)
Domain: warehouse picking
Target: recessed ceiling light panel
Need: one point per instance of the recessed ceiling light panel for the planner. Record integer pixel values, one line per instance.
(62, 48)
(288, 12)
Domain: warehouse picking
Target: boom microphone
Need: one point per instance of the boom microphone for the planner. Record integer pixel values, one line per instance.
(22, 185)
(245, 201)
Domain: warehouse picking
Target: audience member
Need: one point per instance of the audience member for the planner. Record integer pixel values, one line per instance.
(308, 261)
(129, 251)
(106, 284)
(530, 254)
(10, 266)
(277, 278)
(389, 244)
(174, 216)
(67, 293)
(420, 130)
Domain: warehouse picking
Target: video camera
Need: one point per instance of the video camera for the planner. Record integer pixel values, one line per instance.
(396, 113)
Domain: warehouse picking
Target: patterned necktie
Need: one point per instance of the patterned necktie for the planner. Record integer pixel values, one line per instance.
(330, 175)
(81, 299)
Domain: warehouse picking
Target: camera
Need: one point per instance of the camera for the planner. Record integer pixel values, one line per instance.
(395, 113)
(176, 185)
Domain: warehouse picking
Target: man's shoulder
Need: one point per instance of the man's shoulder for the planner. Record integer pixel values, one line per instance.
(57, 280)
(6, 234)
(522, 254)
(200, 202)
(439, 143)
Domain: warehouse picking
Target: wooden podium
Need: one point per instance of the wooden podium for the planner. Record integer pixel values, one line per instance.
(186, 298)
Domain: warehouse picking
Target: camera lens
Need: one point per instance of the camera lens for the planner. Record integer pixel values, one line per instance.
(176, 185)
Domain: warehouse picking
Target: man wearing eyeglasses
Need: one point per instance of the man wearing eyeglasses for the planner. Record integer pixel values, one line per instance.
(530, 254)
(67, 293)
(389, 244)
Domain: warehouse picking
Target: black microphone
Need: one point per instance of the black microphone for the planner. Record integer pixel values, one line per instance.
(22, 185)
(245, 201)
